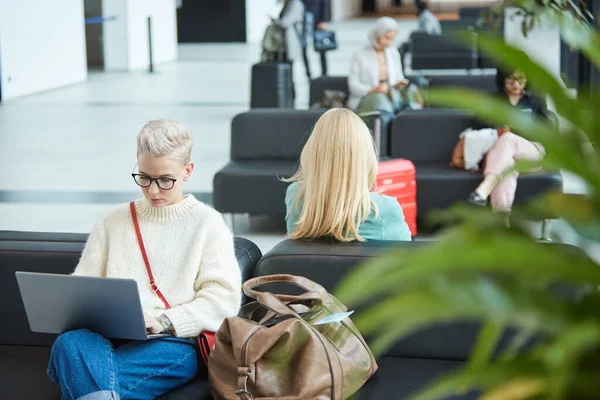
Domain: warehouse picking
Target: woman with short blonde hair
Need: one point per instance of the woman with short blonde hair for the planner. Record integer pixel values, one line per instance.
(197, 279)
(330, 195)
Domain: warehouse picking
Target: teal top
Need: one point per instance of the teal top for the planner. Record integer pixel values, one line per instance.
(389, 224)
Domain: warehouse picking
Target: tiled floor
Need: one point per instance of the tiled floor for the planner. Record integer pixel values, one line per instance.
(66, 155)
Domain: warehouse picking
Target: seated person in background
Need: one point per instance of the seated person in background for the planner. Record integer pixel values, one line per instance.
(330, 195)
(428, 23)
(191, 255)
(376, 74)
(509, 147)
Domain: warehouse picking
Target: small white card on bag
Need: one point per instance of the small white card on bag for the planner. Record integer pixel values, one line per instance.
(331, 318)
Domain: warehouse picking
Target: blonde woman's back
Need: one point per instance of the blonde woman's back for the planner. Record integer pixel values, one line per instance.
(330, 194)
(388, 224)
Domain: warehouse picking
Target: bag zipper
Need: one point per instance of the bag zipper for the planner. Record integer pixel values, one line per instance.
(244, 350)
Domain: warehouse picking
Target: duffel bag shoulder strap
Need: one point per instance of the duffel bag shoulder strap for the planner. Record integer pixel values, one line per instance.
(314, 290)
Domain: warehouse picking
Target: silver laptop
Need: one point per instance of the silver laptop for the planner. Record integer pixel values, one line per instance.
(61, 303)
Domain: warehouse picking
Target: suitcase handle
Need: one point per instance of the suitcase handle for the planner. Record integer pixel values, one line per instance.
(390, 181)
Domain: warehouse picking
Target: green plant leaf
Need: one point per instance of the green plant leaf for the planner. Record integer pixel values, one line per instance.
(516, 343)
(581, 212)
(581, 36)
(524, 27)
(489, 336)
(487, 379)
(466, 250)
(564, 353)
(512, 304)
(540, 79)
(517, 389)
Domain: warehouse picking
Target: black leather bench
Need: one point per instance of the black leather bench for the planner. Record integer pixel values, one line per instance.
(442, 52)
(459, 25)
(24, 354)
(319, 85)
(412, 362)
(265, 146)
(427, 137)
(471, 13)
(406, 367)
(485, 83)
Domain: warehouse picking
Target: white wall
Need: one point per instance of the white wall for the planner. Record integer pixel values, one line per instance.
(42, 45)
(541, 44)
(383, 5)
(344, 9)
(126, 38)
(115, 42)
(257, 17)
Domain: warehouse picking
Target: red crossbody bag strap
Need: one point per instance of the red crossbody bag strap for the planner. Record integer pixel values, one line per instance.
(206, 340)
(155, 288)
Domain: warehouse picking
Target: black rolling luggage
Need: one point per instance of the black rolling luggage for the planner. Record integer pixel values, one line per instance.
(272, 85)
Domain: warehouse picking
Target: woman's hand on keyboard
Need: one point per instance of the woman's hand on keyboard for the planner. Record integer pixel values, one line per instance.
(152, 324)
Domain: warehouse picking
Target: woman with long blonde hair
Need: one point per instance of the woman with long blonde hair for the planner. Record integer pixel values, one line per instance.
(330, 195)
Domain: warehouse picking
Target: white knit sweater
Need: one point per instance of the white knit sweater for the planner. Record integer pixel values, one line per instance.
(191, 254)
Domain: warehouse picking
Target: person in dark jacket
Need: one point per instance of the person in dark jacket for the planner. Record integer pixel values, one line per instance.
(320, 13)
(501, 188)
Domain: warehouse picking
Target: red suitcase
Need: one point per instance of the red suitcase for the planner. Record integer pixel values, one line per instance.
(396, 178)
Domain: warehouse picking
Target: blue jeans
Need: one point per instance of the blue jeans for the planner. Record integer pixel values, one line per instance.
(88, 367)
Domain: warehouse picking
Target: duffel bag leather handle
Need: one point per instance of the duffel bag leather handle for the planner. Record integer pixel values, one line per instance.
(247, 310)
(319, 292)
(272, 303)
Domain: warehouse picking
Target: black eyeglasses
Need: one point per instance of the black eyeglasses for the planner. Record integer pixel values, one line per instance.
(519, 79)
(162, 183)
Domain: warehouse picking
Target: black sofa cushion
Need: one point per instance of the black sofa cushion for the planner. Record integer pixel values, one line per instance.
(398, 378)
(486, 83)
(471, 13)
(60, 258)
(23, 354)
(27, 236)
(246, 252)
(427, 137)
(459, 25)
(444, 60)
(46, 257)
(439, 186)
(271, 133)
(327, 263)
(23, 371)
(252, 186)
(319, 85)
(265, 146)
(442, 52)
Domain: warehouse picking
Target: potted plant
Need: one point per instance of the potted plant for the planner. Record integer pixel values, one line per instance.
(480, 270)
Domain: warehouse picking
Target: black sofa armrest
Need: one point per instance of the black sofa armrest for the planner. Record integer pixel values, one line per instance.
(28, 236)
(247, 254)
(319, 85)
